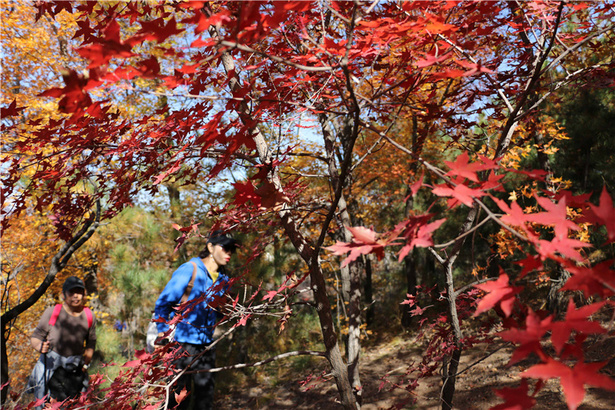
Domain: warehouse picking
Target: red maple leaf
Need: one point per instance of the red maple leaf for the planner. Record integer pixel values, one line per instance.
(12, 110)
(555, 216)
(365, 241)
(187, 232)
(431, 59)
(167, 172)
(528, 338)
(572, 379)
(534, 174)
(453, 73)
(529, 264)
(270, 196)
(132, 363)
(244, 192)
(73, 94)
(410, 300)
(179, 397)
(417, 233)
(243, 321)
(272, 293)
(488, 163)
(604, 214)
(516, 398)
(595, 280)
(577, 320)
(493, 183)
(418, 311)
(108, 47)
(158, 30)
(414, 188)
(461, 192)
(190, 228)
(575, 201)
(514, 214)
(498, 292)
(564, 246)
(462, 168)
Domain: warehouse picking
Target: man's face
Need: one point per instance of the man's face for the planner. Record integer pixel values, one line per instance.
(74, 297)
(221, 255)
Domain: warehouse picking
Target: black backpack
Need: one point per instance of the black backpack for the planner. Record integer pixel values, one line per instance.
(66, 382)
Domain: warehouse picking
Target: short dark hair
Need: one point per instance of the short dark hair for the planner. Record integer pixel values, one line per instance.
(221, 238)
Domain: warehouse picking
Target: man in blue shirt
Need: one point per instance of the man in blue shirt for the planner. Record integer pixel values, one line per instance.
(201, 277)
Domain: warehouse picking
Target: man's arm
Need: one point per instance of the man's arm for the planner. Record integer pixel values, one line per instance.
(90, 344)
(39, 345)
(87, 356)
(38, 339)
(171, 295)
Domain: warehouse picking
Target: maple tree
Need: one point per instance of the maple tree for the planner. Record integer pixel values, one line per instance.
(469, 77)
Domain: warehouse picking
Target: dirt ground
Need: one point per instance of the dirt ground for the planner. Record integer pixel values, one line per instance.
(483, 368)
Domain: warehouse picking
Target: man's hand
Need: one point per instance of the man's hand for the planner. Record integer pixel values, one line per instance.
(41, 346)
(161, 340)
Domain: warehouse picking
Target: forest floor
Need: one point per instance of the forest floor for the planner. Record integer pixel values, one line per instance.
(485, 369)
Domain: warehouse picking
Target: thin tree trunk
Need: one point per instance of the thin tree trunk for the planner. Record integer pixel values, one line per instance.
(410, 259)
(351, 274)
(368, 290)
(307, 252)
(448, 380)
(449, 367)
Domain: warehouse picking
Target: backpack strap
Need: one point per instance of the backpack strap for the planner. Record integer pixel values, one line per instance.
(54, 316)
(186, 294)
(89, 316)
(58, 308)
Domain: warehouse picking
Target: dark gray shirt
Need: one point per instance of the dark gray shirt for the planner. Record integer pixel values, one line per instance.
(70, 335)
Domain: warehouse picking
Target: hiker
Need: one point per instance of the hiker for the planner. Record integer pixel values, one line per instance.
(201, 276)
(66, 337)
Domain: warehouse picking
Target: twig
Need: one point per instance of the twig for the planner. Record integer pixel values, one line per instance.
(478, 361)
(260, 363)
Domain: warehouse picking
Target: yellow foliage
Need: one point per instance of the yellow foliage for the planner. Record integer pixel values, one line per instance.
(506, 243)
(33, 52)
(477, 270)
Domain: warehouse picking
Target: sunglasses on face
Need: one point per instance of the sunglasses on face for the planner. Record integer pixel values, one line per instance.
(228, 248)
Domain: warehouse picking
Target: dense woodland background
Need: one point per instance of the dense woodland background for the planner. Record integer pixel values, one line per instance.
(438, 172)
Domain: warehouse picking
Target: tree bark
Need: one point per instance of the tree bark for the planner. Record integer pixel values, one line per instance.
(351, 274)
(369, 293)
(448, 380)
(449, 367)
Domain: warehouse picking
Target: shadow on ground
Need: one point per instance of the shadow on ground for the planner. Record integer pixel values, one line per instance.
(483, 369)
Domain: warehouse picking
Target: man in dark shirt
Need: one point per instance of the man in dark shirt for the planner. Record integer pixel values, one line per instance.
(69, 342)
